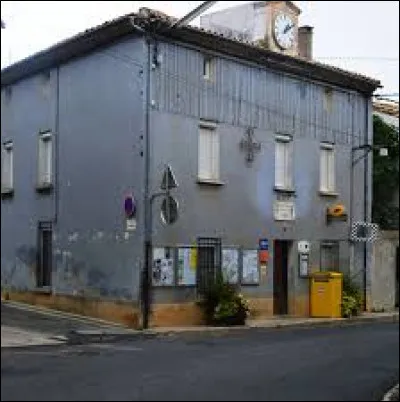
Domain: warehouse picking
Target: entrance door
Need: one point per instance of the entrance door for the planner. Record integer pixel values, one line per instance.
(281, 257)
(45, 255)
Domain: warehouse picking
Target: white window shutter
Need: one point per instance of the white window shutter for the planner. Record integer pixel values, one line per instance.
(7, 167)
(209, 154)
(215, 149)
(323, 170)
(280, 164)
(203, 151)
(45, 156)
(331, 171)
(288, 165)
(327, 169)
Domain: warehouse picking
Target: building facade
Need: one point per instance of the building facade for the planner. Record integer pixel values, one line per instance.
(260, 144)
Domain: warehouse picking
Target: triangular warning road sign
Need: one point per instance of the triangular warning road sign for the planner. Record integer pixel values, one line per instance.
(168, 180)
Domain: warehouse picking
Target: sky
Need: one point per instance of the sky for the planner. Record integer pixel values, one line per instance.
(356, 36)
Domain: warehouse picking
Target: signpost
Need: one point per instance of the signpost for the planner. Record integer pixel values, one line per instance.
(169, 215)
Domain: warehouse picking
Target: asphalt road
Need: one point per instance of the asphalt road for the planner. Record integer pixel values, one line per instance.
(357, 362)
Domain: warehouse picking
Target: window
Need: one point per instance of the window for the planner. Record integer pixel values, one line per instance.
(327, 168)
(208, 158)
(330, 256)
(207, 68)
(45, 255)
(283, 162)
(7, 168)
(45, 156)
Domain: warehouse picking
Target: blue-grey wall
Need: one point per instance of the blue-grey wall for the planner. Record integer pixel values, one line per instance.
(241, 210)
(95, 108)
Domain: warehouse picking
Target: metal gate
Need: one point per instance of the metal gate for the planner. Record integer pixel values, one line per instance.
(208, 262)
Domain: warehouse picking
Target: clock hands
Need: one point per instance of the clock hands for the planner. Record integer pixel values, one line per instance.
(288, 28)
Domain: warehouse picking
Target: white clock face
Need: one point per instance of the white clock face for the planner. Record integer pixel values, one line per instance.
(284, 29)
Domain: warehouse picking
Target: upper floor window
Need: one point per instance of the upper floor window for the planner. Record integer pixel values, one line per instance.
(208, 153)
(283, 162)
(207, 67)
(7, 167)
(45, 159)
(327, 168)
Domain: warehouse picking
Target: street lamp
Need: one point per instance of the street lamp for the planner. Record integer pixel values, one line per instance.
(368, 148)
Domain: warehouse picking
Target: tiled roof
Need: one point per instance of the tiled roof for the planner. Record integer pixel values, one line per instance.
(390, 108)
(158, 23)
(151, 17)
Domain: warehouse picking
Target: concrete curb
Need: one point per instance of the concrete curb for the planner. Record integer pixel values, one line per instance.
(108, 336)
(110, 332)
(80, 337)
(338, 322)
(392, 395)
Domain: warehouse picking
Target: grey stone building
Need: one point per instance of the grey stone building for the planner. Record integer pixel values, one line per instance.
(259, 142)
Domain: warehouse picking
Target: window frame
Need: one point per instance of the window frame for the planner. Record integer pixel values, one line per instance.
(288, 174)
(327, 184)
(213, 175)
(45, 178)
(7, 151)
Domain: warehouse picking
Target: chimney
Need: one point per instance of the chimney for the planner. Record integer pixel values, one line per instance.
(305, 42)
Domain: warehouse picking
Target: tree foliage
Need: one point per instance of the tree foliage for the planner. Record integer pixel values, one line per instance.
(385, 175)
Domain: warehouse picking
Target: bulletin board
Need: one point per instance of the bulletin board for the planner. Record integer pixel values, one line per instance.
(163, 269)
(230, 265)
(187, 266)
(250, 267)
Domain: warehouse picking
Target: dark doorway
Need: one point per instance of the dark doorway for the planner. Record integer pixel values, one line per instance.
(281, 257)
(45, 255)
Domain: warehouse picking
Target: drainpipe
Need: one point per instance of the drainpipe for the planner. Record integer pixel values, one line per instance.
(145, 291)
(366, 200)
(57, 149)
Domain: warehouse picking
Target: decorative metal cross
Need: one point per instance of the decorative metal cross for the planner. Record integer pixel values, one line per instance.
(250, 145)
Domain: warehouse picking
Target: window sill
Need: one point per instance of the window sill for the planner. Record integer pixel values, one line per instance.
(44, 188)
(7, 193)
(210, 182)
(284, 190)
(328, 193)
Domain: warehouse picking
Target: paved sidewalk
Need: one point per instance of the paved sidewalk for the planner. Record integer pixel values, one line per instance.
(33, 325)
(16, 337)
(280, 322)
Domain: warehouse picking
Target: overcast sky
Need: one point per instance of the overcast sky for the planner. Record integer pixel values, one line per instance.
(357, 36)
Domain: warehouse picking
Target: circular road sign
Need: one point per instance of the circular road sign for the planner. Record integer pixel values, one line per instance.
(169, 210)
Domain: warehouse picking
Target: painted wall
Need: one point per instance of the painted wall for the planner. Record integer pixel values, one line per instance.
(240, 211)
(95, 108)
(383, 284)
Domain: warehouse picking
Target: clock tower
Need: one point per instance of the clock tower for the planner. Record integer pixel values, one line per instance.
(282, 23)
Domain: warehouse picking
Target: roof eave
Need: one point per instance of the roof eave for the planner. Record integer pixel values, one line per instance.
(273, 60)
(66, 50)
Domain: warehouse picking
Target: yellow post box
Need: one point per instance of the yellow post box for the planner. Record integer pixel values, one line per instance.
(326, 294)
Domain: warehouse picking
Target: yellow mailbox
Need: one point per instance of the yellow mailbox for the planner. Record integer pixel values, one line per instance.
(326, 294)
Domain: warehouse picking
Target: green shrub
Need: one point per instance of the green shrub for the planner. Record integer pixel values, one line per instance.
(223, 305)
(351, 297)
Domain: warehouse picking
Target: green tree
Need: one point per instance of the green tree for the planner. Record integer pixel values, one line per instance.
(385, 175)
